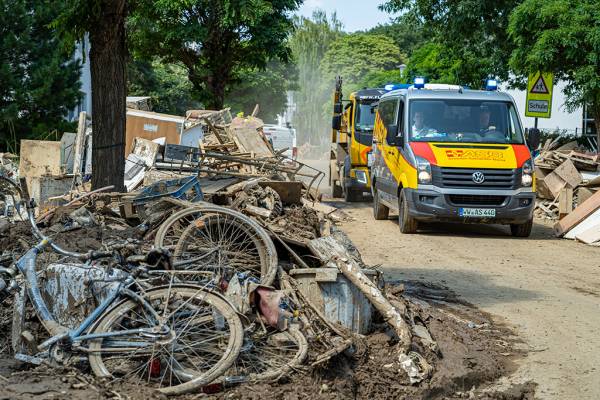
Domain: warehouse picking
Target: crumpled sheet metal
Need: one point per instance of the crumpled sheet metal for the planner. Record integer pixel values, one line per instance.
(416, 367)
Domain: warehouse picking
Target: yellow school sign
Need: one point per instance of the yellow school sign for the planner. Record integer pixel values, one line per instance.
(539, 95)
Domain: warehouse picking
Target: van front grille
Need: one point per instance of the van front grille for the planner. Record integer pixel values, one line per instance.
(463, 178)
(476, 200)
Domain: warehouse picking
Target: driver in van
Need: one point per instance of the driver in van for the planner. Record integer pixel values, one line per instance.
(484, 120)
(419, 128)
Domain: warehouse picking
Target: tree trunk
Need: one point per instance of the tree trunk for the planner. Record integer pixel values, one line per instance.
(108, 55)
(216, 86)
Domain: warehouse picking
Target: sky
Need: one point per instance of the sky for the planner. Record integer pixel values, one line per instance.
(356, 15)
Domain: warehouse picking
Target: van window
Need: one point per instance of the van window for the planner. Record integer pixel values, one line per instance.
(475, 121)
(388, 111)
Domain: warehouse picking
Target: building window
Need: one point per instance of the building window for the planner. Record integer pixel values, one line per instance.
(589, 127)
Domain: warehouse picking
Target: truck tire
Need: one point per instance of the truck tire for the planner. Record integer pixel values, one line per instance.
(352, 196)
(380, 212)
(521, 230)
(336, 190)
(407, 223)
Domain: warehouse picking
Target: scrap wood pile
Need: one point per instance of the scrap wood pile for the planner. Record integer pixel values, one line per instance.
(566, 178)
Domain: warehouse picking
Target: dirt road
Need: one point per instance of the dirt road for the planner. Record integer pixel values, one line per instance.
(547, 289)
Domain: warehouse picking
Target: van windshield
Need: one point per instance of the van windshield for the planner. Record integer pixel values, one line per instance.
(474, 121)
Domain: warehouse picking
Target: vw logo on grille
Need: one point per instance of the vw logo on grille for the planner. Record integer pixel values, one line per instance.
(478, 177)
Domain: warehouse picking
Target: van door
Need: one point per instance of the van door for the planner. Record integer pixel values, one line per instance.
(386, 184)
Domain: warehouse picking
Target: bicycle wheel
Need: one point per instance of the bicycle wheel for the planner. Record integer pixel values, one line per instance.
(235, 242)
(268, 355)
(197, 337)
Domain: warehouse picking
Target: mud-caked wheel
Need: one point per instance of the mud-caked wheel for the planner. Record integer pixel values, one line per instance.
(407, 223)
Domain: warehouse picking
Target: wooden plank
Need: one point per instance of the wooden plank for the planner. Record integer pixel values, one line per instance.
(289, 192)
(554, 183)
(565, 202)
(584, 225)
(579, 214)
(584, 193)
(245, 131)
(591, 235)
(569, 173)
(79, 145)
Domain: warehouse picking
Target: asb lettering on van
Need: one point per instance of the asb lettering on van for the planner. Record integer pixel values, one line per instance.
(443, 153)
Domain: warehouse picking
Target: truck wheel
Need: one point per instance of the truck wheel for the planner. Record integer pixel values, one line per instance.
(336, 189)
(521, 230)
(351, 196)
(407, 223)
(380, 211)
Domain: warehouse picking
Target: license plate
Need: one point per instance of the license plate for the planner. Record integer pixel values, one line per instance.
(477, 212)
(369, 159)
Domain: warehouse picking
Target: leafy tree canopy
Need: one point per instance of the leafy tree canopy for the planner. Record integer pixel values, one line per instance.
(167, 84)
(472, 34)
(355, 55)
(407, 31)
(215, 40)
(268, 88)
(39, 82)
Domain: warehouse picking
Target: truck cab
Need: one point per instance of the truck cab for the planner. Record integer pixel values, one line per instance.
(352, 138)
(444, 153)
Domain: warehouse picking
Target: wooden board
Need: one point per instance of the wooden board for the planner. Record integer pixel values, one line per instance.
(565, 202)
(584, 225)
(554, 183)
(569, 173)
(39, 158)
(289, 192)
(591, 235)
(150, 128)
(579, 214)
(245, 133)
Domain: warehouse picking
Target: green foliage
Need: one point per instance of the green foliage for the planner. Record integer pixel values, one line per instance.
(407, 31)
(472, 34)
(560, 36)
(353, 56)
(432, 62)
(167, 84)
(310, 41)
(267, 88)
(215, 40)
(375, 79)
(39, 83)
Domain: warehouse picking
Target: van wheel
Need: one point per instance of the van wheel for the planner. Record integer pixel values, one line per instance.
(407, 223)
(336, 190)
(380, 211)
(521, 230)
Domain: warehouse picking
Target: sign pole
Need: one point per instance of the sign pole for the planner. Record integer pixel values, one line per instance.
(535, 123)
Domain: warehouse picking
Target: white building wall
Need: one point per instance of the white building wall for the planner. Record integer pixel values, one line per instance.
(560, 118)
(82, 52)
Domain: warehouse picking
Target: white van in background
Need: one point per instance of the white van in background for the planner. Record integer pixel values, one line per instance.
(282, 137)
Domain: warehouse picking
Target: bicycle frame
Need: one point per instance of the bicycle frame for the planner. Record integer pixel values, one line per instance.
(26, 265)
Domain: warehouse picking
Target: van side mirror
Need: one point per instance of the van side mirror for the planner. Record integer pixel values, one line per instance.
(336, 122)
(337, 108)
(533, 138)
(392, 137)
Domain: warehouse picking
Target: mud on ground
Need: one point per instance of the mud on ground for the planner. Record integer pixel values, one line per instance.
(473, 352)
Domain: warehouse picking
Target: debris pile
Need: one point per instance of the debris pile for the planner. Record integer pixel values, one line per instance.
(567, 181)
(234, 216)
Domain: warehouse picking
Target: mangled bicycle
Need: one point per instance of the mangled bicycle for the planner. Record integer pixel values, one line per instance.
(145, 329)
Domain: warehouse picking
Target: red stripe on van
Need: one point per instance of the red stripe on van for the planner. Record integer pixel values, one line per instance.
(422, 149)
(521, 154)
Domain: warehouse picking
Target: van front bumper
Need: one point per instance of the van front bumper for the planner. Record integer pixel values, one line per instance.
(431, 203)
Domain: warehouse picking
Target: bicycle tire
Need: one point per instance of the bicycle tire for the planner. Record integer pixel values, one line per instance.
(187, 384)
(173, 227)
(253, 367)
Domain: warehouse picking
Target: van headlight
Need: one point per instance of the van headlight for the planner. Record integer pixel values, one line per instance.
(527, 173)
(423, 170)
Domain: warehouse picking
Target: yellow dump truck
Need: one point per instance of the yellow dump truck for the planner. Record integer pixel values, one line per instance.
(351, 140)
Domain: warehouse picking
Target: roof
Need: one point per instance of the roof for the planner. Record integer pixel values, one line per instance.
(370, 94)
(464, 94)
(156, 116)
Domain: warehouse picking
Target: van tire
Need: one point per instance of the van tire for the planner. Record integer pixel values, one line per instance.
(380, 212)
(407, 223)
(521, 230)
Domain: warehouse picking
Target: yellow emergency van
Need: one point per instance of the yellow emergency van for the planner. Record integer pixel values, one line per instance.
(445, 153)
